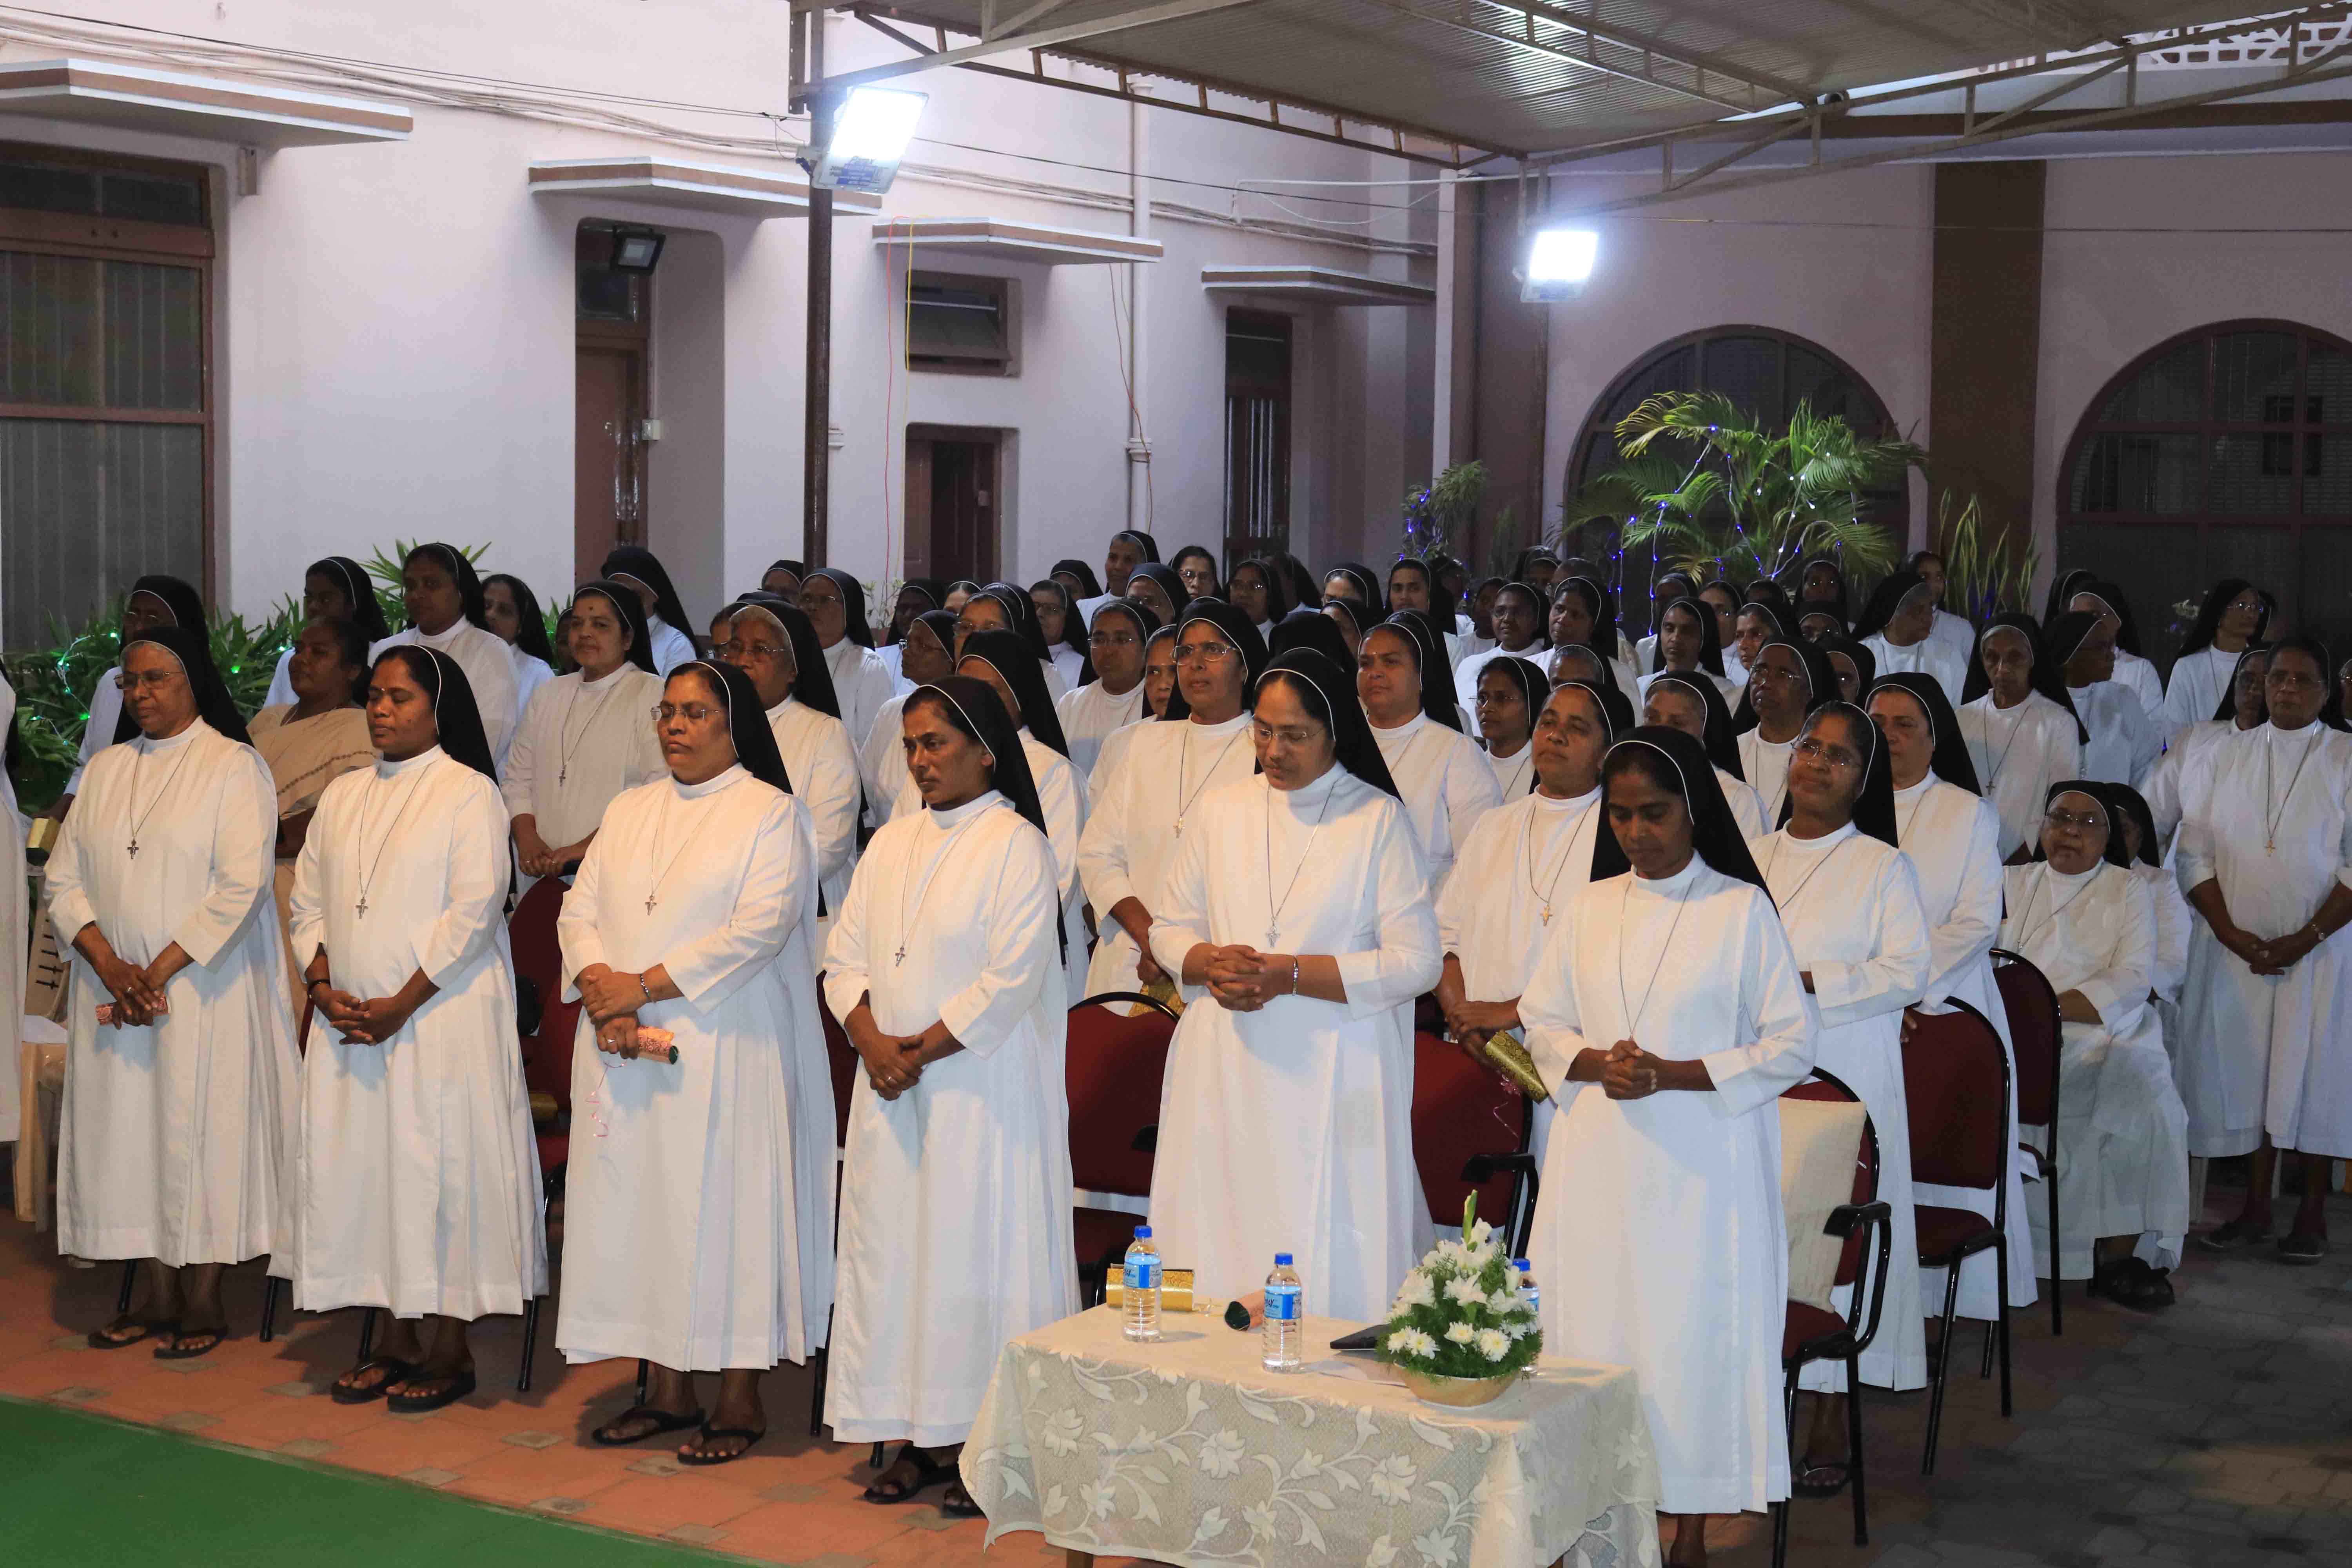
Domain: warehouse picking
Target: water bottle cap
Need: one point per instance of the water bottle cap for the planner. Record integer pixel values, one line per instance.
(1282, 1260)
(1143, 1233)
(1520, 1264)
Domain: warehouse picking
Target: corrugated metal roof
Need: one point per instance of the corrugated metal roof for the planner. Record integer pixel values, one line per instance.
(1491, 74)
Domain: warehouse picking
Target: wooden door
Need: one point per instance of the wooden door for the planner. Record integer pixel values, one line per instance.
(608, 476)
(954, 502)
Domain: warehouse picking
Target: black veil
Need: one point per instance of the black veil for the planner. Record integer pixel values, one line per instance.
(1678, 763)
(1237, 629)
(747, 721)
(1329, 691)
(194, 650)
(631, 611)
(635, 563)
(457, 718)
(1722, 744)
(811, 676)
(1951, 762)
(1873, 804)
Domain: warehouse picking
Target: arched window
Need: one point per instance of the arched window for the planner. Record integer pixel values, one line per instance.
(1757, 368)
(2225, 452)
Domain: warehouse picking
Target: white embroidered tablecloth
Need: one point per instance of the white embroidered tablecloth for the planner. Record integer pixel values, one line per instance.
(1188, 1452)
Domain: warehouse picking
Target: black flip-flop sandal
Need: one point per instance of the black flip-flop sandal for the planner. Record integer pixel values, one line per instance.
(103, 1340)
(929, 1473)
(216, 1333)
(712, 1435)
(393, 1369)
(2301, 1247)
(1805, 1487)
(460, 1384)
(967, 1508)
(663, 1422)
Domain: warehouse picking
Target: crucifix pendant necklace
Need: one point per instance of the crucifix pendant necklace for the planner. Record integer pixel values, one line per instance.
(1183, 759)
(2270, 833)
(1274, 911)
(141, 821)
(563, 770)
(905, 921)
(653, 893)
(1528, 857)
(367, 879)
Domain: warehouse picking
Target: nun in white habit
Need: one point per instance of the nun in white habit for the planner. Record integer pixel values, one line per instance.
(2021, 731)
(2134, 674)
(835, 602)
(925, 654)
(1788, 679)
(2121, 740)
(1441, 775)
(587, 735)
(1299, 923)
(1144, 807)
(1898, 626)
(176, 1114)
(671, 638)
(1522, 863)
(1691, 704)
(155, 600)
(1850, 902)
(416, 1183)
(1673, 1258)
(445, 613)
(1510, 697)
(774, 643)
(955, 1190)
(2244, 708)
(2078, 914)
(1108, 694)
(686, 1244)
(1952, 839)
(2265, 852)
(2233, 617)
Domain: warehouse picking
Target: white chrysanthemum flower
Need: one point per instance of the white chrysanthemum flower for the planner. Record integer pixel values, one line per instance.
(1461, 1333)
(1400, 1343)
(1493, 1343)
(1466, 1293)
(1423, 1344)
(1505, 1299)
(1519, 1328)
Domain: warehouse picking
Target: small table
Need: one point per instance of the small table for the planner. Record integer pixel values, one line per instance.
(1187, 1451)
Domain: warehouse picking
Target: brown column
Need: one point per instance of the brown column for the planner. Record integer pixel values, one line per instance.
(1985, 337)
(1499, 372)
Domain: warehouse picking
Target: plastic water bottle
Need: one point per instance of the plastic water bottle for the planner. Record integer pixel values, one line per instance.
(1286, 1303)
(1528, 1292)
(1141, 1288)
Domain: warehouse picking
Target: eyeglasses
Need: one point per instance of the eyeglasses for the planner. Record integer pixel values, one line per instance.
(2064, 819)
(694, 712)
(1204, 653)
(153, 680)
(1817, 751)
(2293, 681)
(1769, 675)
(2249, 607)
(1112, 639)
(734, 650)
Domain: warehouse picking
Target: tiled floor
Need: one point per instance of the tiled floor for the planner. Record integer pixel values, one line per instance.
(2218, 1434)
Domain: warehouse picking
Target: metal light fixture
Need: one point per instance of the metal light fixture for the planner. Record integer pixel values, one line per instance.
(870, 133)
(637, 249)
(1560, 261)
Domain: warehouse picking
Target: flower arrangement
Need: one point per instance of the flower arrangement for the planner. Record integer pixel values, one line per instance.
(1459, 1314)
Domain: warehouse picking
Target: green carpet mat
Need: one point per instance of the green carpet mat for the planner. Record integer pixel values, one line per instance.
(84, 1489)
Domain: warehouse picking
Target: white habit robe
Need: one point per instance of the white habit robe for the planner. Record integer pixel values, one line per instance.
(2199, 680)
(98, 732)
(2174, 923)
(956, 1196)
(692, 1240)
(1765, 765)
(1954, 632)
(579, 744)
(1516, 871)
(823, 768)
(1515, 775)
(1139, 820)
(1447, 786)
(1089, 713)
(1067, 664)
(1747, 805)
(416, 1179)
(1671, 1256)
(1851, 906)
(1107, 761)
(862, 683)
(1723, 683)
(1931, 655)
(530, 673)
(172, 1134)
(2019, 753)
(1291, 1128)
(2138, 676)
(882, 760)
(1062, 798)
(489, 669)
(1952, 839)
(2123, 1134)
(2123, 740)
(2267, 1053)
(671, 647)
(2161, 788)
(12, 932)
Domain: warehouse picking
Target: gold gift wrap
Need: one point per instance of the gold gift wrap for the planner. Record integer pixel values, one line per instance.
(1162, 991)
(1511, 1059)
(1175, 1289)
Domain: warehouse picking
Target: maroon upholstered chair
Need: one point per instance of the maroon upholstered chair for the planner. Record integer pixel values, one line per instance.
(2035, 1034)
(1470, 1131)
(1112, 1072)
(1955, 1082)
(1809, 1333)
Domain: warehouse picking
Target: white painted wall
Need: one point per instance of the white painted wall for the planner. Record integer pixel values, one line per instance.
(394, 334)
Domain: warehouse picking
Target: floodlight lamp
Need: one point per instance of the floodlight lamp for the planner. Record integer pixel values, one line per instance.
(1560, 262)
(637, 249)
(870, 133)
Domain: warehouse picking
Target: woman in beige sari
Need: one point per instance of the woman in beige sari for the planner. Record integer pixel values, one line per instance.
(311, 742)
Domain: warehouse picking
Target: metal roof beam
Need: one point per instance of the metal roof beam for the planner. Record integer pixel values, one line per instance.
(1643, 65)
(2052, 21)
(1044, 38)
(1587, 23)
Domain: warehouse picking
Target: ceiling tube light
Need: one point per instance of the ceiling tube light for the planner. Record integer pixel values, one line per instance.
(1560, 262)
(870, 133)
